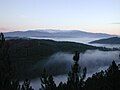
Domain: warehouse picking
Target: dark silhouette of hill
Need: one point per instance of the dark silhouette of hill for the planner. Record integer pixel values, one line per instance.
(104, 80)
(42, 48)
(112, 40)
(27, 52)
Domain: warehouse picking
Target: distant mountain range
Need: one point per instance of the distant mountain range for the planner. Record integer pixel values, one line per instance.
(56, 34)
(112, 40)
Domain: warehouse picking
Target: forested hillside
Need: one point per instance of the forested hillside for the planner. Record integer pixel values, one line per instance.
(10, 74)
(112, 40)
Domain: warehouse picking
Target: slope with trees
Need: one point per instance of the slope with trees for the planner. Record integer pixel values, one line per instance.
(112, 40)
(25, 53)
(104, 80)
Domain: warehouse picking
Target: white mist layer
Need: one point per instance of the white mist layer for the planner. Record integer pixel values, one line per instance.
(94, 60)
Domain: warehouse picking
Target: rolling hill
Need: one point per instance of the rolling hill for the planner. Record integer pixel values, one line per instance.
(25, 53)
(112, 40)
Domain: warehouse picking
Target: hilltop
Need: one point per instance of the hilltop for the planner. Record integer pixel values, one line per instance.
(112, 40)
(48, 33)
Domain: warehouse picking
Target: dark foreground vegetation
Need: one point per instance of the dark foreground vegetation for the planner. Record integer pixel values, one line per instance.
(26, 53)
(104, 80)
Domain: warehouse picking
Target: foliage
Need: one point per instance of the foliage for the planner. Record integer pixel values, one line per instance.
(25, 53)
(47, 81)
(26, 85)
(104, 80)
(7, 74)
(75, 78)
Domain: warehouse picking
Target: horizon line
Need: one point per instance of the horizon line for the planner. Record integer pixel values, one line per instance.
(25, 30)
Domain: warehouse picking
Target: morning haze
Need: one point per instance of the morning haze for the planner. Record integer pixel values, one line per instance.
(59, 44)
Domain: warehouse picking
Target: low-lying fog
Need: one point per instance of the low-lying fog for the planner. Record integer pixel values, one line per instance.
(95, 60)
(84, 40)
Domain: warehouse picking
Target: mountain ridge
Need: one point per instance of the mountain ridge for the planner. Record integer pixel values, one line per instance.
(112, 40)
(56, 33)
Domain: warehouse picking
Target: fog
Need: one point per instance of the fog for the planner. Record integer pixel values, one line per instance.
(84, 40)
(94, 60)
(60, 63)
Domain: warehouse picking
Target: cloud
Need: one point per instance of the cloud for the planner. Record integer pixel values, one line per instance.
(116, 23)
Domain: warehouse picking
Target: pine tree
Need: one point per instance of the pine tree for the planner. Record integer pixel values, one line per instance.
(47, 81)
(105, 80)
(113, 76)
(75, 78)
(26, 85)
(7, 74)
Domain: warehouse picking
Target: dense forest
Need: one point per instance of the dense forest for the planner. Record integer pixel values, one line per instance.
(25, 53)
(9, 78)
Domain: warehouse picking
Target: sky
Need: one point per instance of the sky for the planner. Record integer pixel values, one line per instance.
(101, 16)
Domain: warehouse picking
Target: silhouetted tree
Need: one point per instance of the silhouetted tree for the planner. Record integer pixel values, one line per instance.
(75, 77)
(26, 85)
(7, 80)
(105, 80)
(47, 81)
(113, 76)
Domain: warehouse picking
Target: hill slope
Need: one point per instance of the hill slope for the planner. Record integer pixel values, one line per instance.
(25, 53)
(112, 40)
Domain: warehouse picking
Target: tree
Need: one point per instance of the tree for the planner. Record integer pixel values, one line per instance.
(47, 81)
(75, 77)
(7, 74)
(113, 76)
(105, 80)
(26, 85)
